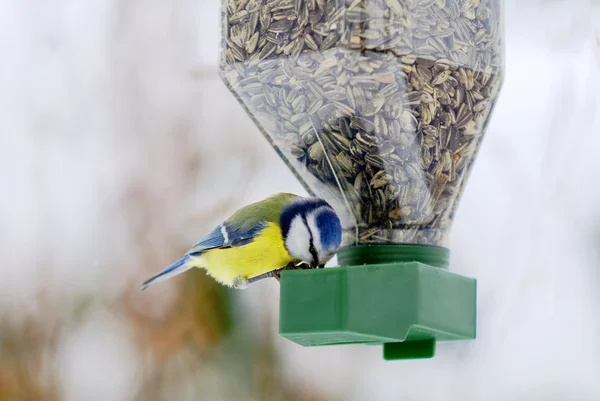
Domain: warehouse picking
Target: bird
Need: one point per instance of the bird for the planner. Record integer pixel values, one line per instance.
(261, 239)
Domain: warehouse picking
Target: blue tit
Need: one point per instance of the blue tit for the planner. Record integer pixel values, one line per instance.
(262, 238)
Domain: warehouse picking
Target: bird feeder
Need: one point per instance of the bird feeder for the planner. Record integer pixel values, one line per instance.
(379, 107)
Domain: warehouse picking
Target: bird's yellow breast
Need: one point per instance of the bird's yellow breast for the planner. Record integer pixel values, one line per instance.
(266, 253)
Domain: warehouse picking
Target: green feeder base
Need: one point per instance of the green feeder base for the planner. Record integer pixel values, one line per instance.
(400, 296)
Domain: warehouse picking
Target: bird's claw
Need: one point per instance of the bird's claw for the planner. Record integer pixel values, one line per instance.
(241, 283)
(291, 266)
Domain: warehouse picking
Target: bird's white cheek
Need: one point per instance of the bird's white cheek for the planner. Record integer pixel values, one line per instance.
(298, 246)
(297, 241)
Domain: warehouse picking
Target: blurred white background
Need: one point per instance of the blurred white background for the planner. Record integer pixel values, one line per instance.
(119, 146)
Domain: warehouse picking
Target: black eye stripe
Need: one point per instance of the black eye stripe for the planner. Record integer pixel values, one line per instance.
(311, 246)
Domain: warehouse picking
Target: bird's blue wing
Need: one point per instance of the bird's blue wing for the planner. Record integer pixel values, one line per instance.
(214, 239)
(226, 236)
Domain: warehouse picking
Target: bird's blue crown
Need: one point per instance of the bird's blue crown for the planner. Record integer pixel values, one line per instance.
(330, 228)
(326, 220)
(298, 208)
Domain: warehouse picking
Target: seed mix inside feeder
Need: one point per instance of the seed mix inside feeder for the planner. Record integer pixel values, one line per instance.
(378, 106)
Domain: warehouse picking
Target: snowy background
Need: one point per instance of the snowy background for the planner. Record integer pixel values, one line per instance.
(119, 147)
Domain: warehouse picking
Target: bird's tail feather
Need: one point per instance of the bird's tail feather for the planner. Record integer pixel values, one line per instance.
(175, 269)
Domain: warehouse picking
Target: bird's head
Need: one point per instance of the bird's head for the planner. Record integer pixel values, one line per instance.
(311, 230)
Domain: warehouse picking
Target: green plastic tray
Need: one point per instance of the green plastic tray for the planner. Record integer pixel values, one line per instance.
(406, 305)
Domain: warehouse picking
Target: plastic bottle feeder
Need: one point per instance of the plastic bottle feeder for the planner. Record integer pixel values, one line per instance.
(379, 107)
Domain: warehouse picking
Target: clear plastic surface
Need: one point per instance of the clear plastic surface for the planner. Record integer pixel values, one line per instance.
(378, 106)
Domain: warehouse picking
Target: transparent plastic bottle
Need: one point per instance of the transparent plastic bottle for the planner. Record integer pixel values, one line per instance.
(379, 106)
